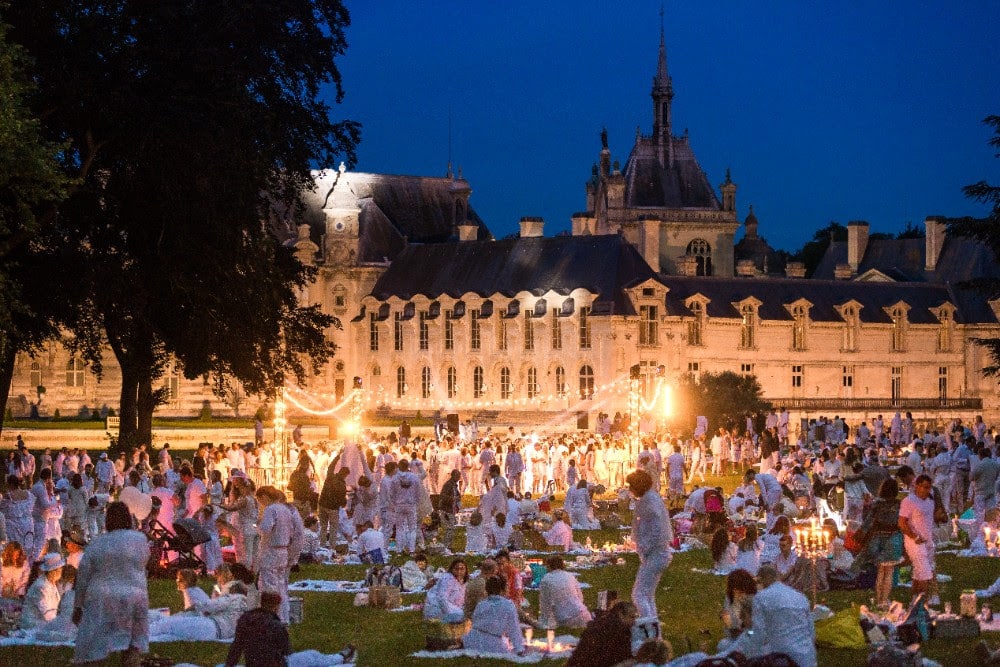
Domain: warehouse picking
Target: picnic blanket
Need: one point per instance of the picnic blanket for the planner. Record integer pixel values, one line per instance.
(308, 658)
(326, 586)
(537, 653)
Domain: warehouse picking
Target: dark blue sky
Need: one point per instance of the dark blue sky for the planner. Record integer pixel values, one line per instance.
(824, 111)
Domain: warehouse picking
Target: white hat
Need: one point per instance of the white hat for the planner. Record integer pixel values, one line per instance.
(104, 455)
(51, 562)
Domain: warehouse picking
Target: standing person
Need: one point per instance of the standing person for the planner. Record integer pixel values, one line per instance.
(245, 538)
(403, 498)
(17, 508)
(652, 533)
(111, 604)
(675, 471)
(449, 504)
(385, 510)
(45, 505)
(916, 521)
(514, 468)
(698, 463)
(881, 539)
(276, 528)
(718, 452)
(331, 499)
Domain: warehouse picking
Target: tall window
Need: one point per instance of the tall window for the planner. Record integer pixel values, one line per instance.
(425, 331)
(556, 331)
(172, 384)
(74, 372)
(505, 386)
(896, 383)
(560, 381)
(694, 367)
(452, 382)
(702, 252)
(36, 375)
(796, 377)
(397, 332)
(501, 334)
(478, 383)
(475, 334)
(585, 328)
(529, 332)
(425, 382)
(850, 329)
(401, 382)
(898, 329)
(847, 381)
(748, 327)
(449, 331)
(586, 383)
(697, 323)
(372, 333)
(943, 383)
(800, 318)
(648, 325)
(944, 331)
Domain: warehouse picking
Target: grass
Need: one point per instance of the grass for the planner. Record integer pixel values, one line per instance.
(689, 604)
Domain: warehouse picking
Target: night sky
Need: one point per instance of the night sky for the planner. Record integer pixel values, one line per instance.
(823, 110)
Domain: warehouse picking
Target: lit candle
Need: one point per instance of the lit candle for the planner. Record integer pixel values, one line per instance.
(550, 637)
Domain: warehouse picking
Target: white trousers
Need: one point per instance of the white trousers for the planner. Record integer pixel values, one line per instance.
(651, 568)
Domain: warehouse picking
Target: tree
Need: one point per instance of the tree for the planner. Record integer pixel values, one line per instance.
(987, 231)
(726, 398)
(30, 180)
(192, 127)
(811, 254)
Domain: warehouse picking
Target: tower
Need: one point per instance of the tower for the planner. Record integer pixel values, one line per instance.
(663, 95)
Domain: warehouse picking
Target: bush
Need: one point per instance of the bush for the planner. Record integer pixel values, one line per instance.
(8, 415)
(56, 414)
(111, 412)
(95, 414)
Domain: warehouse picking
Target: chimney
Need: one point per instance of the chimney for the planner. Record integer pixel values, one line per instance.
(933, 241)
(583, 224)
(650, 230)
(795, 270)
(468, 232)
(746, 268)
(531, 227)
(687, 265)
(843, 272)
(857, 242)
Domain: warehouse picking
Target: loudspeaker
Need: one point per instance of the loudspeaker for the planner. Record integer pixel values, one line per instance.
(453, 423)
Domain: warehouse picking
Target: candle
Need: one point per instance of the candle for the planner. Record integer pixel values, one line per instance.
(550, 637)
(529, 633)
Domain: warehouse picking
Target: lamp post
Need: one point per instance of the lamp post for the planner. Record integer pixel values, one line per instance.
(280, 439)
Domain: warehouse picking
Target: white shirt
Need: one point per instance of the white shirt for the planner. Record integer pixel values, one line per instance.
(560, 601)
(920, 514)
(782, 623)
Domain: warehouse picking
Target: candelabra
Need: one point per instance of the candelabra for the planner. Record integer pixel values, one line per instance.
(812, 542)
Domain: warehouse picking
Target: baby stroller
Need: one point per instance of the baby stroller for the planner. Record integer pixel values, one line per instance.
(174, 550)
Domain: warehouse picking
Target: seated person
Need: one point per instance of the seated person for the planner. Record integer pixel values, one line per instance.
(14, 571)
(607, 640)
(991, 524)
(560, 600)
(475, 535)
(500, 532)
(475, 589)
(738, 607)
(842, 559)
(495, 628)
(371, 545)
(545, 504)
(261, 634)
(446, 598)
(724, 552)
(578, 504)
(513, 509)
(208, 618)
(413, 574)
(748, 551)
(529, 507)
(187, 584)
(41, 603)
(786, 557)
(62, 628)
(560, 534)
(310, 547)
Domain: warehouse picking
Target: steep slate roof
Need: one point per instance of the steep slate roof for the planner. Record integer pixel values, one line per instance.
(682, 185)
(775, 293)
(603, 265)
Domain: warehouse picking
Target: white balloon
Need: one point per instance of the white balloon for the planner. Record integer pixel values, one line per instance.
(138, 503)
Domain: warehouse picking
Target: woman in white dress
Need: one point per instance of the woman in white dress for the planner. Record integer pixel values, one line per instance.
(560, 600)
(41, 604)
(16, 506)
(446, 599)
(243, 504)
(276, 528)
(495, 627)
(112, 602)
(204, 618)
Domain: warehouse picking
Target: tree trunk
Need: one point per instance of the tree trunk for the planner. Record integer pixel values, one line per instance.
(128, 405)
(144, 411)
(7, 356)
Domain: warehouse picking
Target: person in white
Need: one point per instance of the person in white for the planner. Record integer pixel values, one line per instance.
(697, 462)
(276, 528)
(46, 504)
(495, 628)
(916, 521)
(578, 503)
(41, 603)
(718, 446)
(352, 459)
(652, 533)
(403, 500)
(781, 623)
(371, 544)
(560, 600)
(675, 471)
(446, 599)
(560, 534)
(205, 619)
(112, 600)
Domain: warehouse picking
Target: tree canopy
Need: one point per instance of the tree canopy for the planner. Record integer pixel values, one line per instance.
(191, 128)
(726, 398)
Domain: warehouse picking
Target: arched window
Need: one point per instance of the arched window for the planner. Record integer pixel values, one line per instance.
(560, 380)
(401, 382)
(425, 382)
(532, 382)
(696, 327)
(898, 329)
(452, 382)
(748, 326)
(478, 383)
(505, 387)
(702, 252)
(586, 383)
(74, 372)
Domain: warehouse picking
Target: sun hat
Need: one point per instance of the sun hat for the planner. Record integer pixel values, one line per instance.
(51, 562)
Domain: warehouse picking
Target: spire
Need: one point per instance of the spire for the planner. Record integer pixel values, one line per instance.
(663, 95)
(661, 66)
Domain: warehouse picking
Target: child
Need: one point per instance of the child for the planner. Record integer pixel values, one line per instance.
(215, 490)
(213, 548)
(572, 474)
(500, 532)
(475, 534)
(311, 545)
(95, 517)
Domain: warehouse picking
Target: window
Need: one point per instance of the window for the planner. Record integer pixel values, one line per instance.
(748, 326)
(585, 328)
(397, 332)
(943, 383)
(339, 296)
(372, 333)
(944, 331)
(172, 385)
(478, 384)
(586, 383)
(529, 332)
(425, 331)
(896, 384)
(556, 331)
(560, 380)
(800, 318)
(501, 334)
(35, 377)
(401, 382)
(702, 252)
(847, 377)
(74, 372)
(746, 369)
(851, 325)
(694, 367)
(506, 389)
(475, 334)
(898, 315)
(697, 323)
(532, 382)
(648, 325)
(449, 331)
(452, 382)
(796, 377)
(425, 382)
(376, 371)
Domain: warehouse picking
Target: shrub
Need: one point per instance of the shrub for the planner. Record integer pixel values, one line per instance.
(56, 414)
(206, 411)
